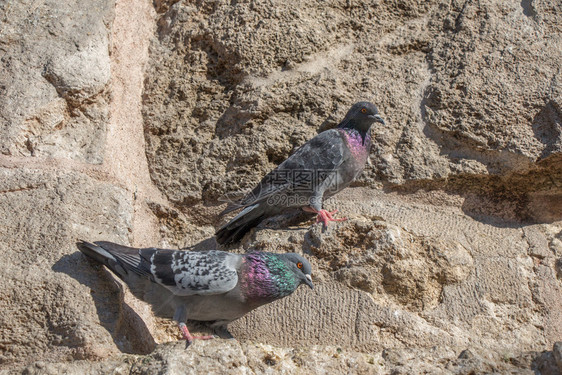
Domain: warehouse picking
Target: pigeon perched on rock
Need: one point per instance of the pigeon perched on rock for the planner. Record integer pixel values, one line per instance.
(320, 168)
(211, 286)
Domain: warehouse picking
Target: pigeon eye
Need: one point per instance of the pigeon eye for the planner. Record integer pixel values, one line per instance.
(299, 265)
(363, 110)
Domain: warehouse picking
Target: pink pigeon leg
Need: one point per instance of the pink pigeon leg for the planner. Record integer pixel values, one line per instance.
(187, 336)
(324, 216)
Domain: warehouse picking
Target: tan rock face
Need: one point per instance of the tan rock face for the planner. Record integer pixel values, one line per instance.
(129, 120)
(50, 308)
(55, 71)
(493, 86)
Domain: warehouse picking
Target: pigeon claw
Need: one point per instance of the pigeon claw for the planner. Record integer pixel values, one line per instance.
(325, 216)
(188, 338)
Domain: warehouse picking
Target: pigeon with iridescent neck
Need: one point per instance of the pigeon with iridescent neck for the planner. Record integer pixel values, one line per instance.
(210, 286)
(320, 168)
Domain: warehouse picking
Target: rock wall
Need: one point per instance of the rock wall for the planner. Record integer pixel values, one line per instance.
(130, 120)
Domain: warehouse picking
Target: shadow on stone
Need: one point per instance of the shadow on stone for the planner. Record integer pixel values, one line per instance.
(128, 330)
(516, 191)
(545, 363)
(207, 244)
(232, 122)
(547, 128)
(511, 200)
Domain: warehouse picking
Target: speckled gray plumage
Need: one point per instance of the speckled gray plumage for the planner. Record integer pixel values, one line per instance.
(212, 286)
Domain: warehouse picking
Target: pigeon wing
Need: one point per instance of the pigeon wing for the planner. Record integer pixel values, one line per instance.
(316, 160)
(187, 273)
(184, 273)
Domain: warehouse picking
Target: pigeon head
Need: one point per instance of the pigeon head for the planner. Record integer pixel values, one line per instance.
(300, 267)
(361, 116)
(269, 276)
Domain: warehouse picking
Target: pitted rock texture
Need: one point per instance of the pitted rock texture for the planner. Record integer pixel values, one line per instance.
(228, 356)
(375, 256)
(131, 120)
(487, 96)
(465, 88)
(237, 101)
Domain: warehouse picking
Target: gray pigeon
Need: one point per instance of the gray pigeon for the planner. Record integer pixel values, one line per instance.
(319, 169)
(211, 286)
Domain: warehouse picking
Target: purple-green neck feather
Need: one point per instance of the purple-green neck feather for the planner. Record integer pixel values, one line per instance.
(266, 277)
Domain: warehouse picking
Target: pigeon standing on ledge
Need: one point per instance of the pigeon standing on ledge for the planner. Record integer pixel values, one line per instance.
(212, 286)
(319, 169)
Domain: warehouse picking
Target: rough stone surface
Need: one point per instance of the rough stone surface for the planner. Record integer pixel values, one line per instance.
(50, 308)
(495, 94)
(466, 88)
(53, 78)
(131, 120)
(220, 357)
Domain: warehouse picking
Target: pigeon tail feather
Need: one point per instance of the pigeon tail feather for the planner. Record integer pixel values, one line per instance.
(232, 206)
(103, 256)
(240, 225)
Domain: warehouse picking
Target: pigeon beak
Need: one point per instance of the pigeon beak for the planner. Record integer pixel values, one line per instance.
(377, 118)
(308, 281)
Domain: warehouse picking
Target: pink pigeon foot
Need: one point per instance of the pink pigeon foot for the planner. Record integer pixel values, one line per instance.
(187, 336)
(324, 216)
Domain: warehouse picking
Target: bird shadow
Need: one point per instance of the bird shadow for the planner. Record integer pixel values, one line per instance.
(127, 329)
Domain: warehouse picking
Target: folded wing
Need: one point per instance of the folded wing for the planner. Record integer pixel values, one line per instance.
(184, 273)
